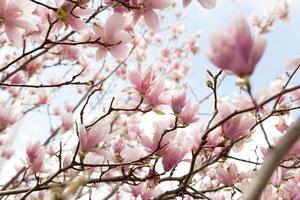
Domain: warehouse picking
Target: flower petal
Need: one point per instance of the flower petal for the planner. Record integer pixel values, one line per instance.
(152, 20)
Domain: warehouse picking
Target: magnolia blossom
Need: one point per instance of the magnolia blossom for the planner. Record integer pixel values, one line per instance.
(292, 64)
(209, 4)
(7, 117)
(227, 175)
(172, 155)
(89, 140)
(112, 36)
(189, 113)
(68, 14)
(146, 10)
(141, 82)
(35, 156)
(156, 95)
(16, 21)
(235, 50)
(178, 101)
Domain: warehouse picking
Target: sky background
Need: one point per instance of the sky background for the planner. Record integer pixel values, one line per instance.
(283, 43)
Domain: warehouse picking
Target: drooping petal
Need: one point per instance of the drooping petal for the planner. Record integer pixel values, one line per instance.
(152, 20)
(101, 53)
(122, 36)
(119, 51)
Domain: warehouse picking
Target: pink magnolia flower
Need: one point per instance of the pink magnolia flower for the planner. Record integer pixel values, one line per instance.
(89, 140)
(238, 126)
(67, 121)
(152, 143)
(228, 175)
(171, 156)
(7, 117)
(141, 82)
(178, 101)
(189, 112)
(292, 64)
(235, 49)
(15, 21)
(135, 190)
(156, 95)
(35, 156)
(68, 14)
(112, 36)
(208, 4)
(146, 10)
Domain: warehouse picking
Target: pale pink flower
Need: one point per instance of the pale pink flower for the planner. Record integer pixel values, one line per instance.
(135, 190)
(281, 125)
(146, 10)
(7, 117)
(189, 113)
(283, 10)
(228, 175)
(178, 101)
(171, 156)
(68, 14)
(15, 21)
(69, 52)
(67, 121)
(292, 64)
(141, 82)
(237, 126)
(152, 144)
(114, 37)
(235, 49)
(208, 4)
(18, 78)
(156, 95)
(35, 156)
(89, 140)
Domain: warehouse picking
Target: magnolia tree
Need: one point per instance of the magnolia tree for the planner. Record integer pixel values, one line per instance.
(121, 123)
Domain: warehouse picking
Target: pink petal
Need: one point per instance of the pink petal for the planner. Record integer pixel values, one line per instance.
(152, 20)
(208, 4)
(78, 25)
(158, 4)
(101, 53)
(134, 77)
(242, 36)
(119, 51)
(292, 64)
(186, 2)
(135, 17)
(257, 51)
(14, 35)
(114, 24)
